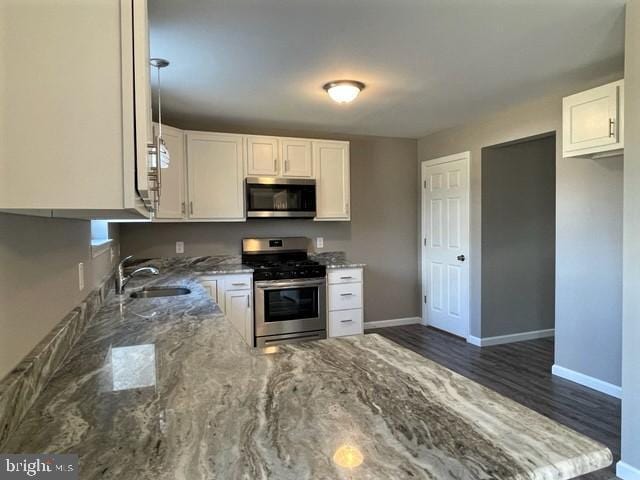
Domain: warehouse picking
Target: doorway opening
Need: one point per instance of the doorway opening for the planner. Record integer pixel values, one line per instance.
(518, 240)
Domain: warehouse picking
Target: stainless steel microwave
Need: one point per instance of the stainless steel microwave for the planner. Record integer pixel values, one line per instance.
(280, 197)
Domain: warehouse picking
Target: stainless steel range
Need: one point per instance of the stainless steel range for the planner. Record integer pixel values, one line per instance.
(289, 290)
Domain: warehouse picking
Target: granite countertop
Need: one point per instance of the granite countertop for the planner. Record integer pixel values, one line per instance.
(165, 388)
(333, 260)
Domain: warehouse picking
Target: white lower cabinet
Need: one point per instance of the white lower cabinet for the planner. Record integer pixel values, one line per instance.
(237, 304)
(345, 305)
(234, 295)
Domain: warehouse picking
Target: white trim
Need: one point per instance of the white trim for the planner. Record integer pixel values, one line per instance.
(466, 155)
(587, 381)
(394, 322)
(511, 338)
(626, 471)
(98, 247)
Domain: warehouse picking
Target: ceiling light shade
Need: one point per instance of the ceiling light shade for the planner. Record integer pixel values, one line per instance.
(344, 91)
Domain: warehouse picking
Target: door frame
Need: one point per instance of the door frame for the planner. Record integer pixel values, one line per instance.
(423, 248)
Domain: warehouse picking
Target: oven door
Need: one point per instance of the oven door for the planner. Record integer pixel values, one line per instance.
(276, 197)
(290, 306)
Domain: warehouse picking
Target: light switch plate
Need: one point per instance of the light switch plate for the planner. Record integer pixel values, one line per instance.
(319, 242)
(81, 276)
(179, 247)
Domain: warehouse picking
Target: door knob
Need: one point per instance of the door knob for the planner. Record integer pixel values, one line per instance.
(461, 258)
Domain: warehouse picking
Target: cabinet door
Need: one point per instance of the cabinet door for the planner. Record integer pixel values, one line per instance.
(216, 178)
(172, 191)
(296, 158)
(331, 160)
(238, 311)
(262, 156)
(592, 120)
(211, 286)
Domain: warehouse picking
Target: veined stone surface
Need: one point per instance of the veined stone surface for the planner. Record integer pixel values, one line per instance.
(197, 403)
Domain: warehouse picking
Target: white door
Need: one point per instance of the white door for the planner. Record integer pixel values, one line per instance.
(591, 120)
(262, 156)
(331, 166)
(172, 191)
(238, 311)
(445, 243)
(296, 158)
(216, 178)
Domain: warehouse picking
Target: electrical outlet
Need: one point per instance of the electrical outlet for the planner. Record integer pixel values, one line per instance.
(179, 247)
(319, 242)
(81, 276)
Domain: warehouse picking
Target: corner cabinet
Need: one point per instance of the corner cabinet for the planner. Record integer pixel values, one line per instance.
(593, 122)
(331, 164)
(78, 116)
(215, 166)
(234, 295)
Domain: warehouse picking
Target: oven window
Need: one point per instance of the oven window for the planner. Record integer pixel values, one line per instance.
(290, 304)
(281, 197)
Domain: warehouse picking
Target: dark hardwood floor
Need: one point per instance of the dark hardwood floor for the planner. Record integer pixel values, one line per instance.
(522, 372)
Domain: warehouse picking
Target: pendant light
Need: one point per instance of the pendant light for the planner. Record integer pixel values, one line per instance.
(160, 158)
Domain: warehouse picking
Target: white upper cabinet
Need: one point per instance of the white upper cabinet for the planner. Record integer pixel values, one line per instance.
(593, 121)
(296, 158)
(173, 197)
(262, 156)
(77, 108)
(331, 166)
(215, 176)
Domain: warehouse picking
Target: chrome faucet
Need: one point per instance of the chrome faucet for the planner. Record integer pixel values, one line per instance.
(122, 279)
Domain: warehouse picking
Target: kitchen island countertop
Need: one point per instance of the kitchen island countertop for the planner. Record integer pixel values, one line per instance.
(165, 388)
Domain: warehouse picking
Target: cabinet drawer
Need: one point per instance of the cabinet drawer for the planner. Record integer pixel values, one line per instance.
(345, 322)
(345, 296)
(345, 275)
(237, 282)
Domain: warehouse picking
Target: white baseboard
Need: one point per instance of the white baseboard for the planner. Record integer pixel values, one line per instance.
(626, 471)
(395, 322)
(587, 381)
(512, 338)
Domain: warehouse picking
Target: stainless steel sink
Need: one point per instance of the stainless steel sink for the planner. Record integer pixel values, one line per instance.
(152, 292)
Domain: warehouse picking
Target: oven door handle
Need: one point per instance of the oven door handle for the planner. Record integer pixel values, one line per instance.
(272, 285)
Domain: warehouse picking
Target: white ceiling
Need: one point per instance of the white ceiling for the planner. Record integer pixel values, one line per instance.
(428, 64)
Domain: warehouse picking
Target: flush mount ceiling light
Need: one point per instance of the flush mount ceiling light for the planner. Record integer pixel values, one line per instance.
(343, 91)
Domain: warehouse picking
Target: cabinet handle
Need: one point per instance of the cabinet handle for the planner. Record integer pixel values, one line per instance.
(345, 278)
(275, 165)
(191, 208)
(286, 165)
(184, 208)
(239, 284)
(248, 302)
(612, 127)
(346, 294)
(346, 321)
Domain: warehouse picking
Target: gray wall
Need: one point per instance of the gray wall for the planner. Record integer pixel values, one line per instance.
(518, 237)
(39, 278)
(631, 294)
(572, 179)
(589, 267)
(381, 233)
